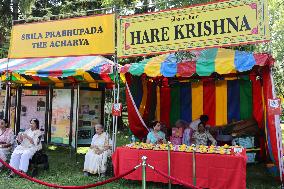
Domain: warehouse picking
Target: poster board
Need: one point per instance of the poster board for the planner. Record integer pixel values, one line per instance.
(60, 123)
(90, 113)
(33, 105)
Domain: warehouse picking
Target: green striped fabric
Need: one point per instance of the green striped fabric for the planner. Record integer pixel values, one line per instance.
(245, 99)
(138, 68)
(205, 64)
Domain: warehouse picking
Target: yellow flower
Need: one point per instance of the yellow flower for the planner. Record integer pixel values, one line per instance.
(226, 146)
(189, 149)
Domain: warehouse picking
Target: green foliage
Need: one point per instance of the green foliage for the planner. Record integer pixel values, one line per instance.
(25, 6)
(5, 25)
(276, 46)
(161, 4)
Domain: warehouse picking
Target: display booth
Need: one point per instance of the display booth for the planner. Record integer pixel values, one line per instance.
(224, 84)
(66, 94)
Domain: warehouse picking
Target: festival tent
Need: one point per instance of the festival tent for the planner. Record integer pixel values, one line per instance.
(225, 84)
(72, 73)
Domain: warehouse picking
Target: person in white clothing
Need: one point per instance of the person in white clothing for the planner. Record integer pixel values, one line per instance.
(96, 157)
(194, 124)
(30, 144)
(6, 139)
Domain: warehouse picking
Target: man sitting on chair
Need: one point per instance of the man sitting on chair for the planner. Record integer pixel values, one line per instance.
(96, 157)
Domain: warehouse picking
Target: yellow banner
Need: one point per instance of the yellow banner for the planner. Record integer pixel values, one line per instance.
(93, 35)
(211, 25)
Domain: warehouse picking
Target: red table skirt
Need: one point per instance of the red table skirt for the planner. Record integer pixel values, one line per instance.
(212, 170)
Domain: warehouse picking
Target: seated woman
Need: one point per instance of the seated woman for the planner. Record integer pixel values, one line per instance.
(201, 136)
(156, 136)
(6, 139)
(96, 157)
(30, 144)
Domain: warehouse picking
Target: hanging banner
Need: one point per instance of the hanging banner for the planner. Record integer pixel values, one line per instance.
(216, 24)
(274, 106)
(92, 35)
(116, 109)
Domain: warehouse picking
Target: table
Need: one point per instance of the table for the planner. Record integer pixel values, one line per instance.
(213, 171)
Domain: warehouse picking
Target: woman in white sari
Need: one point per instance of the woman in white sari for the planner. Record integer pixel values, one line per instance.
(6, 139)
(96, 157)
(30, 144)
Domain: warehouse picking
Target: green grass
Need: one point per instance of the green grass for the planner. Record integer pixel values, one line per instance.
(65, 170)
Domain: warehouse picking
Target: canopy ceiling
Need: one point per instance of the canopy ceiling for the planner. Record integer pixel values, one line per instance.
(57, 70)
(203, 63)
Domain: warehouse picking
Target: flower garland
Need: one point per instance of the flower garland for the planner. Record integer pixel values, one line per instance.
(226, 149)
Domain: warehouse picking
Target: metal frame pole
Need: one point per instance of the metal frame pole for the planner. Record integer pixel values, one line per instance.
(169, 164)
(6, 100)
(77, 120)
(194, 166)
(113, 121)
(144, 158)
(115, 98)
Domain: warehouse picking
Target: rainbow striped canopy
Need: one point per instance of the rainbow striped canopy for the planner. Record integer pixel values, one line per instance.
(203, 63)
(57, 70)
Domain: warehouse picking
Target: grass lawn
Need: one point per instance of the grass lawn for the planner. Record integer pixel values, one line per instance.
(65, 170)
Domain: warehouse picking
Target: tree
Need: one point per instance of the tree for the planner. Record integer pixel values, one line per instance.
(276, 46)
(5, 26)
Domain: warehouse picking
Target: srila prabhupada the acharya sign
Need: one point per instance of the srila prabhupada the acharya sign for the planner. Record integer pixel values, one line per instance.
(91, 35)
(217, 24)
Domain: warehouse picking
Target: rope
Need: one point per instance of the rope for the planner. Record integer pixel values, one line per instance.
(67, 187)
(174, 179)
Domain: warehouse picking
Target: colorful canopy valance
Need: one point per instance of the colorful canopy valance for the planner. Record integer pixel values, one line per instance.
(203, 63)
(56, 70)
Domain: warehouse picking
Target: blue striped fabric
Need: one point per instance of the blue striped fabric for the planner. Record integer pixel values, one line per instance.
(244, 61)
(233, 100)
(185, 102)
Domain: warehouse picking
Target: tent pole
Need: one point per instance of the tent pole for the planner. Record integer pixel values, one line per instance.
(49, 113)
(6, 101)
(116, 117)
(77, 121)
(18, 109)
(116, 80)
(113, 120)
(71, 120)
